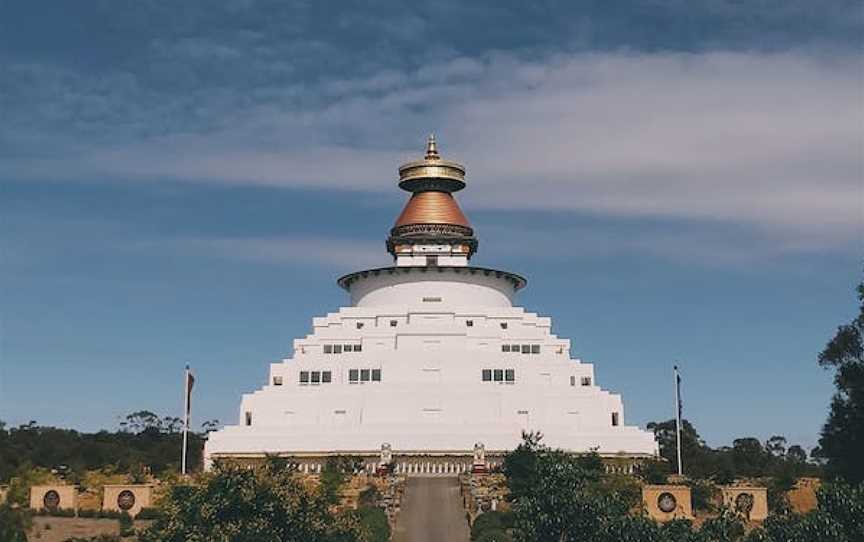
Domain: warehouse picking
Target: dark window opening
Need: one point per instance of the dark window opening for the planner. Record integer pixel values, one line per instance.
(505, 347)
(392, 323)
(353, 375)
(326, 377)
(328, 348)
(337, 348)
(316, 377)
(376, 375)
(248, 418)
(364, 375)
(526, 348)
(499, 375)
(614, 419)
(509, 375)
(586, 380)
(469, 323)
(535, 348)
(432, 261)
(304, 377)
(277, 380)
(487, 375)
(503, 325)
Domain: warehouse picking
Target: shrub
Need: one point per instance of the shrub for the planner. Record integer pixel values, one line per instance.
(492, 520)
(703, 495)
(374, 524)
(148, 513)
(14, 524)
(126, 525)
(495, 535)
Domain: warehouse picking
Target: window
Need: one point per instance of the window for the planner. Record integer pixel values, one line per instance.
(499, 375)
(535, 348)
(487, 375)
(432, 261)
(326, 377)
(328, 348)
(364, 375)
(503, 325)
(348, 348)
(614, 419)
(353, 376)
(358, 347)
(376, 375)
(586, 380)
(514, 348)
(431, 299)
(316, 377)
(505, 347)
(248, 418)
(392, 323)
(359, 325)
(526, 348)
(509, 375)
(337, 348)
(572, 380)
(304, 377)
(469, 323)
(277, 380)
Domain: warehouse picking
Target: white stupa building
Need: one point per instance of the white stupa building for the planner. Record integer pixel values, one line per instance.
(432, 368)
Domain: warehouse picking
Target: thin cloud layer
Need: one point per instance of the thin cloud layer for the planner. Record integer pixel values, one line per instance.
(768, 139)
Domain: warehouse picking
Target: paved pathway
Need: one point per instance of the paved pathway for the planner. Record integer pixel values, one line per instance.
(432, 512)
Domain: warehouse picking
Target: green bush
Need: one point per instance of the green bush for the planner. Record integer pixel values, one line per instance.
(374, 524)
(127, 527)
(495, 535)
(148, 513)
(703, 495)
(14, 523)
(490, 521)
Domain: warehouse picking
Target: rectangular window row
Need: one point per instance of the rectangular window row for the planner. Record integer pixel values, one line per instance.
(364, 375)
(339, 348)
(315, 377)
(585, 380)
(498, 375)
(524, 348)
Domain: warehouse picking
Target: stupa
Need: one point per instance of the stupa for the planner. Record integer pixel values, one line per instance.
(432, 369)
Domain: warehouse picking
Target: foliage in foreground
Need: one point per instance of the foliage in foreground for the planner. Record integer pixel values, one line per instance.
(565, 498)
(14, 523)
(269, 503)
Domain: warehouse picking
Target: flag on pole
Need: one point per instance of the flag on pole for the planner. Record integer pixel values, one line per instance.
(190, 381)
(678, 384)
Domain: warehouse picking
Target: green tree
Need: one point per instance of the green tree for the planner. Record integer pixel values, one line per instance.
(265, 504)
(14, 523)
(842, 439)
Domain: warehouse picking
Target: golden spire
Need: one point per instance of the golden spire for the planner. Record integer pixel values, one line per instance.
(432, 172)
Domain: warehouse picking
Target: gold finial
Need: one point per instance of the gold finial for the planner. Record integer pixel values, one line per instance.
(431, 149)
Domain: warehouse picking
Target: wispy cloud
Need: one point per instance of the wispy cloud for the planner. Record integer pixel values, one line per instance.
(770, 140)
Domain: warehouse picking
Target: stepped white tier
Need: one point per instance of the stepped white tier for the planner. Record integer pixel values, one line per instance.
(431, 357)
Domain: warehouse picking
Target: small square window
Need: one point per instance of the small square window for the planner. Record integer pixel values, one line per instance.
(505, 347)
(364, 375)
(337, 348)
(535, 348)
(316, 377)
(353, 375)
(393, 323)
(526, 348)
(359, 325)
(614, 419)
(248, 418)
(503, 325)
(376, 375)
(304, 377)
(326, 377)
(499, 375)
(514, 348)
(487, 375)
(510, 375)
(586, 380)
(277, 380)
(348, 348)
(358, 347)
(469, 323)
(572, 380)
(328, 348)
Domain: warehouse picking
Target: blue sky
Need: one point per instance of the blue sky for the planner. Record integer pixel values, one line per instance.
(184, 181)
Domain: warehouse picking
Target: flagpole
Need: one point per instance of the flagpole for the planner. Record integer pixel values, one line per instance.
(678, 416)
(185, 419)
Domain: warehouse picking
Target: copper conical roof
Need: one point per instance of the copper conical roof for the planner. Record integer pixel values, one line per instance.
(432, 207)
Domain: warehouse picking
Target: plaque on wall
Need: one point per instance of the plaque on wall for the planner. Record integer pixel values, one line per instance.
(125, 500)
(51, 500)
(666, 502)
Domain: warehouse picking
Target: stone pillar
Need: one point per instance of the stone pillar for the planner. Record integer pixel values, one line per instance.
(54, 497)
